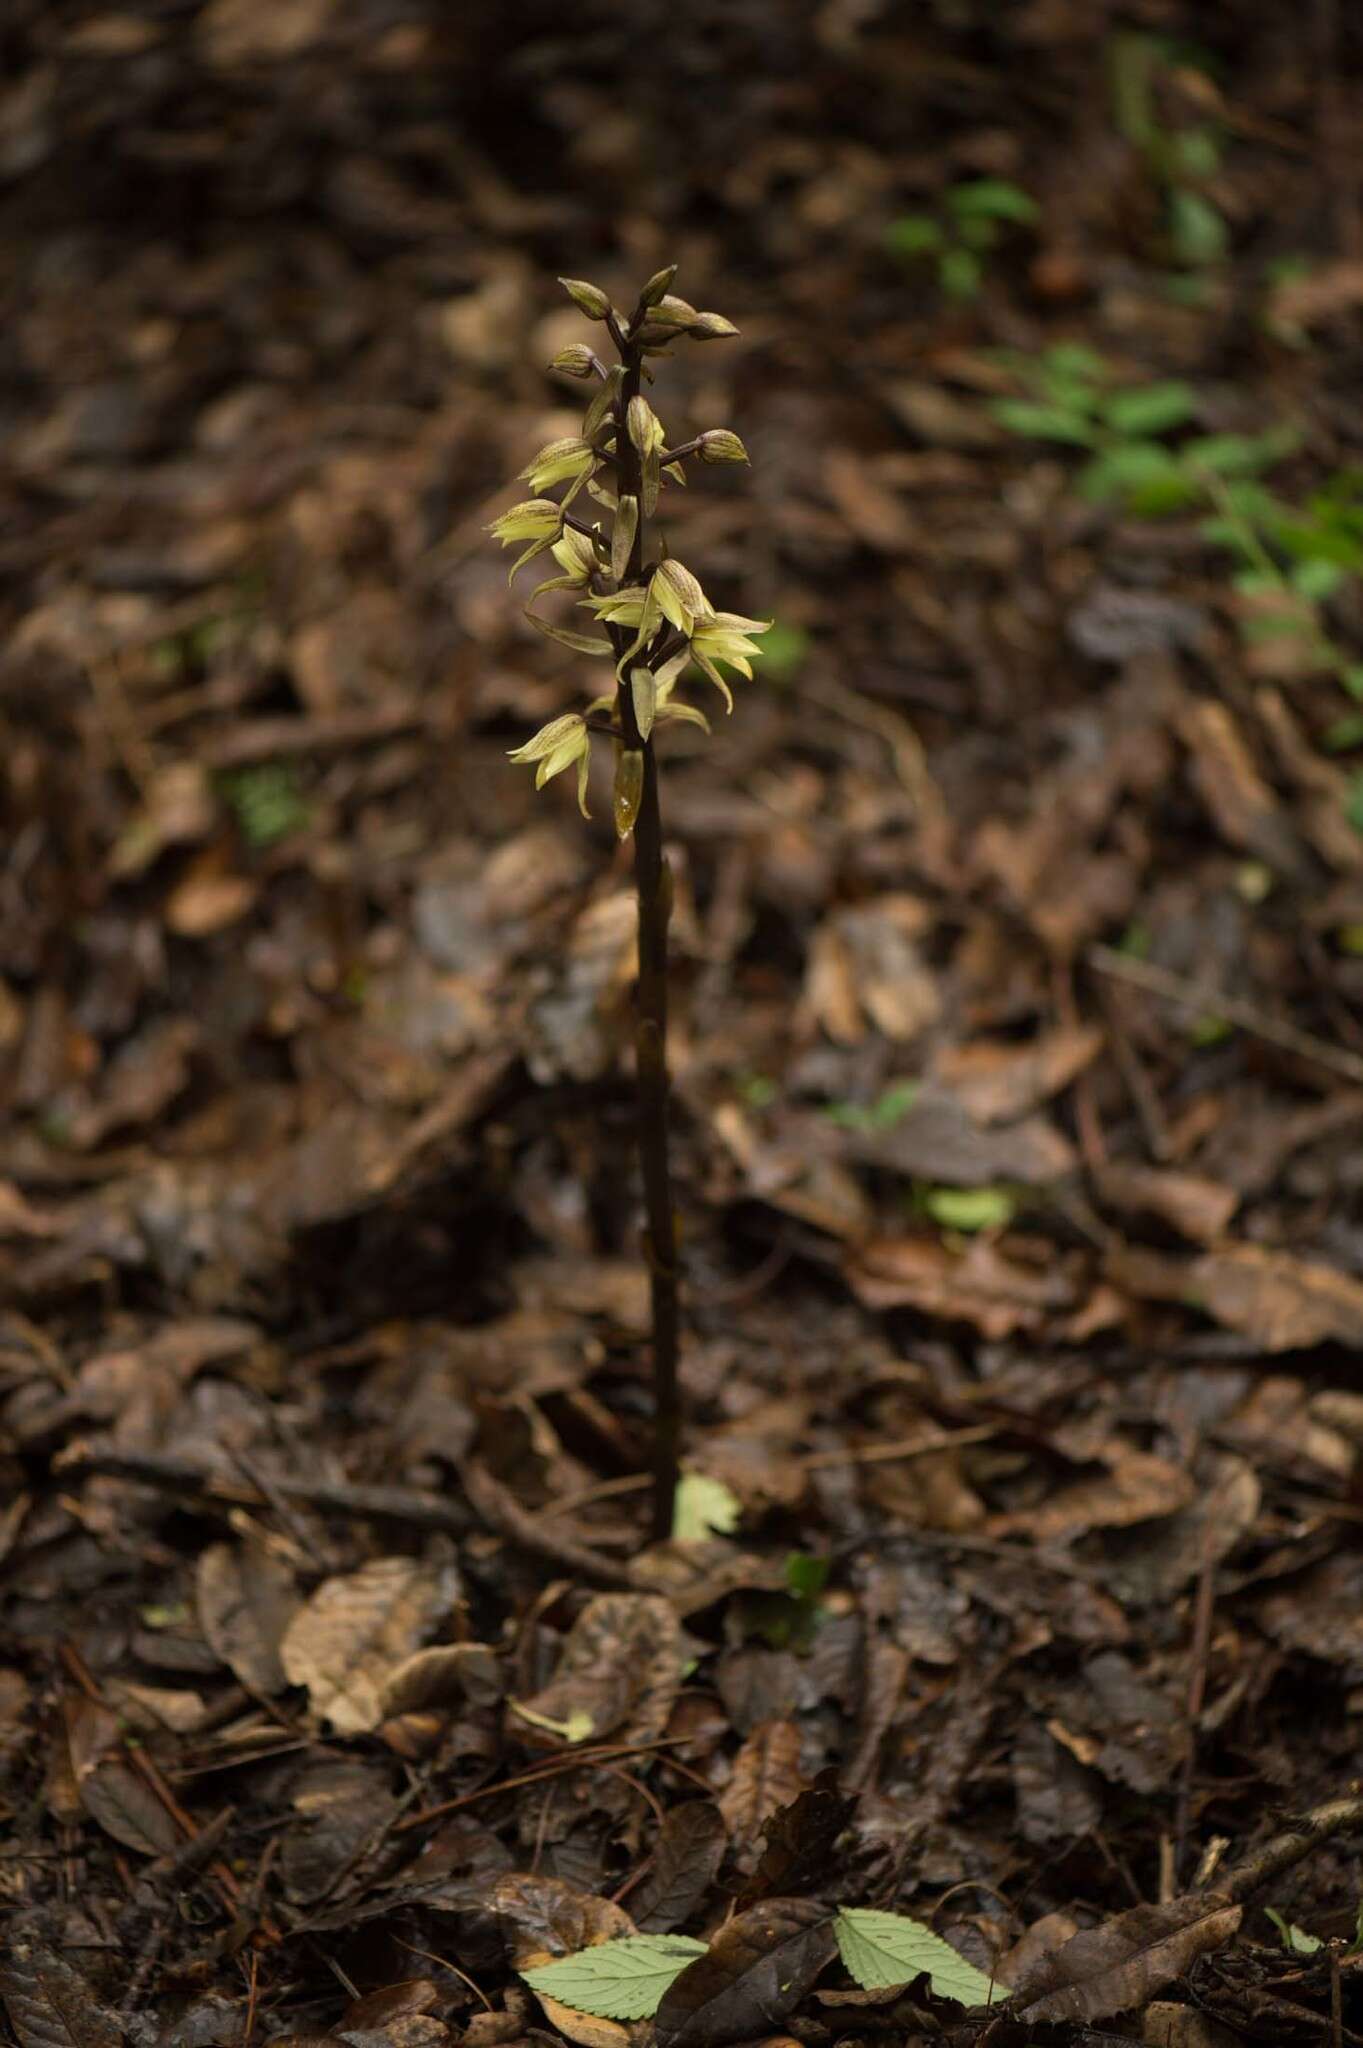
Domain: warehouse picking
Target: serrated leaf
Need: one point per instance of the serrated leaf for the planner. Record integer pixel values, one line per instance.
(618, 1980)
(889, 1948)
(703, 1507)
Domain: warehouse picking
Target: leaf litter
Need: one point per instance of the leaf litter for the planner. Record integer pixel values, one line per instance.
(1017, 926)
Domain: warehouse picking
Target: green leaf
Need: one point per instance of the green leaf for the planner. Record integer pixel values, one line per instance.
(1148, 479)
(703, 1507)
(915, 234)
(970, 1208)
(1353, 804)
(991, 199)
(1294, 1938)
(1352, 678)
(1315, 578)
(959, 273)
(1197, 231)
(617, 1980)
(783, 650)
(888, 1948)
(1239, 454)
(1150, 408)
(806, 1574)
(1042, 422)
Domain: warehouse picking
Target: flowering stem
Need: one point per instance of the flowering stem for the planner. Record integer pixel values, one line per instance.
(653, 886)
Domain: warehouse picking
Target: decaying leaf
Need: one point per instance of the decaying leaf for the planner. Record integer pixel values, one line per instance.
(345, 1640)
(799, 1837)
(543, 1917)
(686, 1857)
(766, 1777)
(621, 1669)
(996, 1081)
(49, 2005)
(246, 1600)
(1111, 1968)
(1137, 1486)
(751, 1978)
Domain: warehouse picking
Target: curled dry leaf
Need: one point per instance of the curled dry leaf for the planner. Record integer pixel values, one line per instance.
(621, 1668)
(766, 1777)
(345, 1640)
(246, 1599)
(1111, 1968)
(752, 1977)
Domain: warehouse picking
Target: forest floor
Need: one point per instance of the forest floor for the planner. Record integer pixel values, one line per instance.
(1017, 1045)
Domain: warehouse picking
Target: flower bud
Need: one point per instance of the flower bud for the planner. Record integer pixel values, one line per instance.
(643, 687)
(657, 285)
(711, 327)
(589, 297)
(717, 444)
(629, 789)
(575, 361)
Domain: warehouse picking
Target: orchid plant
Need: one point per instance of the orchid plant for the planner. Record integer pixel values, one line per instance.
(654, 623)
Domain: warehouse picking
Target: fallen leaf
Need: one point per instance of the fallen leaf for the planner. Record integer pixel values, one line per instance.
(49, 2005)
(617, 1980)
(1284, 1303)
(881, 1949)
(1109, 1969)
(343, 1642)
(246, 1599)
(620, 1669)
(686, 1856)
(766, 1776)
(978, 1285)
(1137, 1486)
(799, 1838)
(996, 1081)
(754, 1975)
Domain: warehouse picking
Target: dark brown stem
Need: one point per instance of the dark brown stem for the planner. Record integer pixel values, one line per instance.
(653, 885)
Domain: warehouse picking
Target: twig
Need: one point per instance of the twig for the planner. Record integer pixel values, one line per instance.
(1157, 981)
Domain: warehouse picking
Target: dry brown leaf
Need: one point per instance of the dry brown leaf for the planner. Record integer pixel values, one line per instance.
(544, 1917)
(979, 1285)
(1111, 1968)
(344, 1641)
(1321, 1612)
(1189, 1203)
(1284, 1303)
(621, 1666)
(766, 1776)
(1136, 1487)
(997, 1082)
(246, 1599)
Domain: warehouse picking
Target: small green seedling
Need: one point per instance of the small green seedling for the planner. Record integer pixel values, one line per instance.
(1290, 561)
(1164, 104)
(1072, 399)
(268, 803)
(957, 235)
(654, 624)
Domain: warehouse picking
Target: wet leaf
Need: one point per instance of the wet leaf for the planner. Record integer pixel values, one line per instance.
(754, 1975)
(766, 1777)
(1109, 1969)
(799, 1838)
(880, 1949)
(617, 1980)
(49, 2005)
(620, 1669)
(345, 1640)
(687, 1855)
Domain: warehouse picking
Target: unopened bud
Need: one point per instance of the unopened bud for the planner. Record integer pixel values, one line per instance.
(589, 297)
(643, 686)
(657, 285)
(575, 361)
(711, 327)
(718, 444)
(629, 789)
